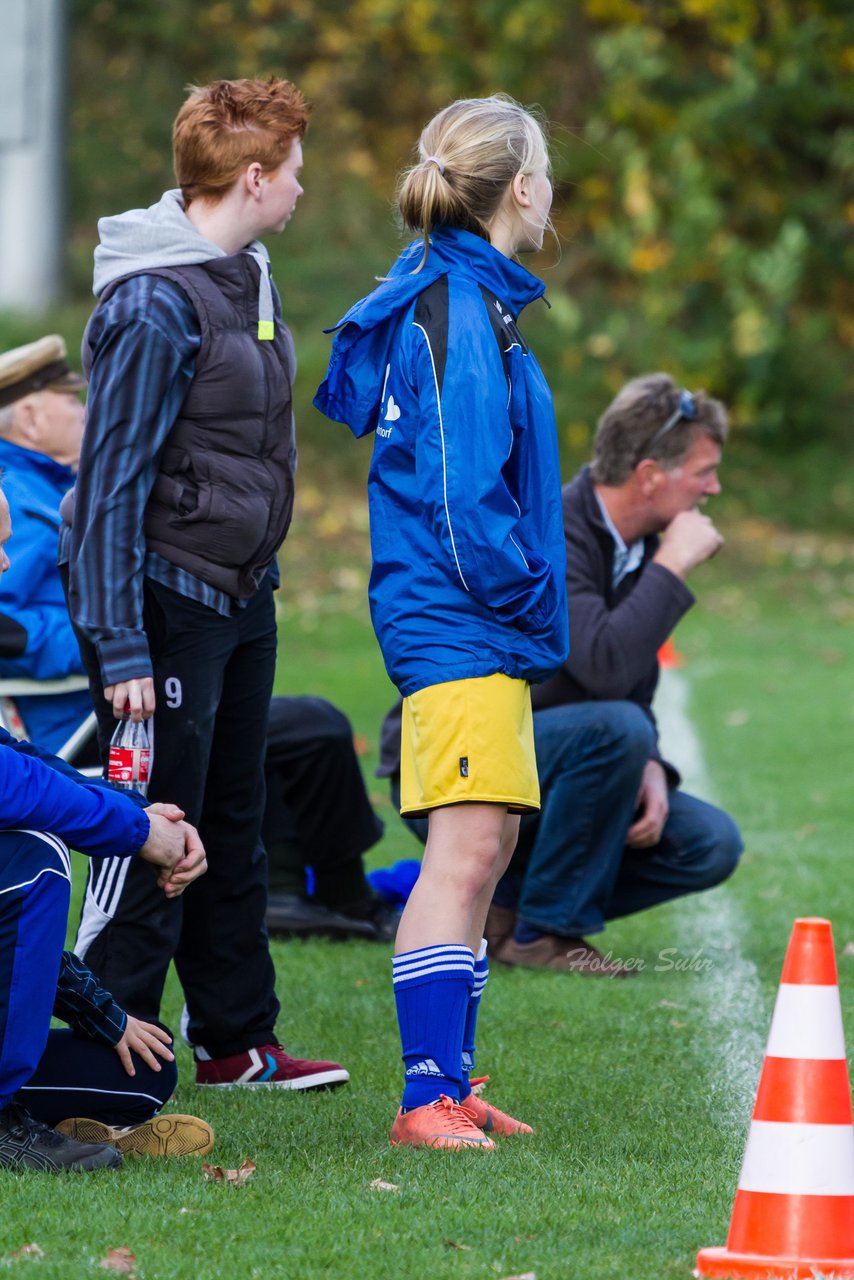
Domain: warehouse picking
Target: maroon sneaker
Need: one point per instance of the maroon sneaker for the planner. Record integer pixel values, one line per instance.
(268, 1065)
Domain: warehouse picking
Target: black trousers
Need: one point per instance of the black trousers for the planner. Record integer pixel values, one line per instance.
(318, 813)
(78, 1077)
(213, 678)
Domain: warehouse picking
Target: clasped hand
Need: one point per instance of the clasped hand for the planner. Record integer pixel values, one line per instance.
(175, 847)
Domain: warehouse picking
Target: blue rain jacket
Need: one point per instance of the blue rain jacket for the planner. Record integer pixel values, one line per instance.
(469, 559)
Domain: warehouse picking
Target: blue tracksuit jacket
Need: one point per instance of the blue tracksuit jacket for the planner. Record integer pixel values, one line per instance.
(39, 792)
(467, 536)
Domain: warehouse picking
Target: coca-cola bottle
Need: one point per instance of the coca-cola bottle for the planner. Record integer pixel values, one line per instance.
(131, 755)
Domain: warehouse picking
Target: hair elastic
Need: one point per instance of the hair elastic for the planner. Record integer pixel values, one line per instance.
(440, 164)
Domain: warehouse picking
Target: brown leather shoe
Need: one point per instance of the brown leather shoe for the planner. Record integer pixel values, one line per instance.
(567, 955)
(500, 923)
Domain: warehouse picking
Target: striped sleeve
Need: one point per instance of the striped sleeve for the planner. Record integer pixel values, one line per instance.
(144, 341)
(84, 1005)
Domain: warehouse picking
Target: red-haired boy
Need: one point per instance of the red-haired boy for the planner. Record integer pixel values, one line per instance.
(184, 495)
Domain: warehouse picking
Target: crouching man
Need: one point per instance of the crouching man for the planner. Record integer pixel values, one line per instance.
(46, 805)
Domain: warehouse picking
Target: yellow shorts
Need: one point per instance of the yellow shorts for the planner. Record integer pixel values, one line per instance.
(469, 740)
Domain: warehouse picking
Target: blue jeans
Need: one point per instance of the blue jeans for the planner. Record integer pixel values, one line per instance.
(572, 870)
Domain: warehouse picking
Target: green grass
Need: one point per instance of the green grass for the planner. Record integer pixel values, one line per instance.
(640, 1092)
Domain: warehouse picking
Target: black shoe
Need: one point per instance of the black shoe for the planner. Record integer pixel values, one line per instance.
(292, 916)
(26, 1143)
(385, 918)
(374, 911)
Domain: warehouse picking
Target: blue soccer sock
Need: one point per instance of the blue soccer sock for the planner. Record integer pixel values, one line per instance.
(481, 973)
(431, 991)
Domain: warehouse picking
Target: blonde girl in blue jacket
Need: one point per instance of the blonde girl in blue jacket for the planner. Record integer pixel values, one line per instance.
(467, 584)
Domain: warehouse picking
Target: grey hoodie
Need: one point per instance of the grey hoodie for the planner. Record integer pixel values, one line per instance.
(163, 236)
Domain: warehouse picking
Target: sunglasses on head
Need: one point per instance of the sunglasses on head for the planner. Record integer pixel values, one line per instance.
(686, 412)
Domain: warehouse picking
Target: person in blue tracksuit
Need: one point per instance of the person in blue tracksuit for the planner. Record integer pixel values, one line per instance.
(467, 586)
(45, 805)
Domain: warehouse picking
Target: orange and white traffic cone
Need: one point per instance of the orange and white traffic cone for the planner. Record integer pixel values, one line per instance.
(794, 1207)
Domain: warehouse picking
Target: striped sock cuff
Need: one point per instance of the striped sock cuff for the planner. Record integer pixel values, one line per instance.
(481, 972)
(430, 963)
(479, 983)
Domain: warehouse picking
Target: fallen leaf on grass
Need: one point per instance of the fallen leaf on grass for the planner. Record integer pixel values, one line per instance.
(379, 1185)
(527, 1275)
(216, 1173)
(27, 1251)
(848, 949)
(120, 1259)
(452, 1244)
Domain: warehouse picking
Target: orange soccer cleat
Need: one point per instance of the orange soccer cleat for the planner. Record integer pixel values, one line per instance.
(491, 1120)
(443, 1123)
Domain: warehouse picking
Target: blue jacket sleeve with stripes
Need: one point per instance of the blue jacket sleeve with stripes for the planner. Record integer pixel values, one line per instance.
(38, 792)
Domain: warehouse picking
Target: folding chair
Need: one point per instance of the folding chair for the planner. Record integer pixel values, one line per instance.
(11, 721)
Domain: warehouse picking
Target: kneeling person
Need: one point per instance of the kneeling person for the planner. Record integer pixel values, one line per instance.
(44, 804)
(105, 1078)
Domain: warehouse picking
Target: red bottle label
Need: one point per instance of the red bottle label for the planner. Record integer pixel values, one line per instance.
(129, 765)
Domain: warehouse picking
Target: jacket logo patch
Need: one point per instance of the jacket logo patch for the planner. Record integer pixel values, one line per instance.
(464, 766)
(392, 412)
(508, 319)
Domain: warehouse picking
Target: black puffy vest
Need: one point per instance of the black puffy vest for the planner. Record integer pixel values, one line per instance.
(223, 497)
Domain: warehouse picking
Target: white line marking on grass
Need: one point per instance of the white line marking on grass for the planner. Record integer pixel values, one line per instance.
(731, 993)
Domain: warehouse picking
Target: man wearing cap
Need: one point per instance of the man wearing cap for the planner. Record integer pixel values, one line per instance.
(615, 833)
(41, 428)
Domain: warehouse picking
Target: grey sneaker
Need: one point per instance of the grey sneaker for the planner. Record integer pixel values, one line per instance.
(26, 1143)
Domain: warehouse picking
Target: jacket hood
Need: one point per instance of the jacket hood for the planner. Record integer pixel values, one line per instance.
(352, 390)
(163, 236)
(159, 236)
